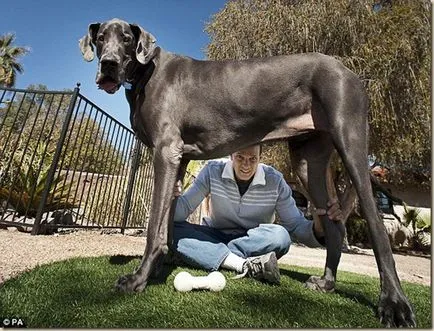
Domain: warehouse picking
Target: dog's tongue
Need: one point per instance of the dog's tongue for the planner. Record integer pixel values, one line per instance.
(108, 86)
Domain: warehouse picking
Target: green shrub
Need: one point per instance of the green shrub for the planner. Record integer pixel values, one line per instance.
(27, 180)
(421, 226)
(193, 170)
(357, 230)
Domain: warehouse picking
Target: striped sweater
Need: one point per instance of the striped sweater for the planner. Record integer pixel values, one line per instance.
(231, 213)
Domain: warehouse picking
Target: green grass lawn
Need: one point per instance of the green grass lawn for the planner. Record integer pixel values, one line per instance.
(79, 293)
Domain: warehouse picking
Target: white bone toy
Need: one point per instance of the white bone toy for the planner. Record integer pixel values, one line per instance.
(185, 282)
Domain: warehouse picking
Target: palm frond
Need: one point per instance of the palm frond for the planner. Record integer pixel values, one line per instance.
(9, 55)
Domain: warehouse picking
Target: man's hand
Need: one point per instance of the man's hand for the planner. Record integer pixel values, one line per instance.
(333, 212)
(177, 190)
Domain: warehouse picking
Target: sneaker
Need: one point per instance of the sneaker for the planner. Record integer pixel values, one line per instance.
(263, 267)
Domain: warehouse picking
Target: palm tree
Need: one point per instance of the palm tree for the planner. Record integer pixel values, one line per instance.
(9, 65)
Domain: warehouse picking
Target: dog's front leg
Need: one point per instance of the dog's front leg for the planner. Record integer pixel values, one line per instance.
(170, 225)
(167, 157)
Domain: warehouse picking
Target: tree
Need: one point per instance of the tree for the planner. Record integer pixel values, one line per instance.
(34, 118)
(9, 65)
(387, 46)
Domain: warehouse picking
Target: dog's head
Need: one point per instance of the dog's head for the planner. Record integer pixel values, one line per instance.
(118, 45)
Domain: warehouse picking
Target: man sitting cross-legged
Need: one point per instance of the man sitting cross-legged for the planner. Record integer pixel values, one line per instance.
(239, 234)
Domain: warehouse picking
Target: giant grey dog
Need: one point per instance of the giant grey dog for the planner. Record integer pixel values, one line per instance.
(186, 109)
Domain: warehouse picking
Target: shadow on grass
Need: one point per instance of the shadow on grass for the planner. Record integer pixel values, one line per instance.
(157, 277)
(123, 259)
(160, 277)
(52, 294)
(301, 277)
(295, 306)
(357, 298)
(353, 295)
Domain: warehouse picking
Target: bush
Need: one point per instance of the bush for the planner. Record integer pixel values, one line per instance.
(421, 226)
(357, 231)
(25, 183)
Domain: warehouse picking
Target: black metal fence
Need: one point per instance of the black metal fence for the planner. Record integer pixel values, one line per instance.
(64, 162)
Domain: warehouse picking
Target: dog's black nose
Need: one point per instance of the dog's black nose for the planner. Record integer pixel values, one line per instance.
(108, 65)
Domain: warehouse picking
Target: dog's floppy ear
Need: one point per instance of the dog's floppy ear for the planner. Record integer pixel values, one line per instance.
(86, 43)
(146, 44)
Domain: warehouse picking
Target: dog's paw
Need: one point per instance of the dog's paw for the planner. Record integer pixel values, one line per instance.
(394, 311)
(320, 284)
(130, 283)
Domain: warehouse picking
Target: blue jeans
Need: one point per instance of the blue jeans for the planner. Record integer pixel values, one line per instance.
(206, 247)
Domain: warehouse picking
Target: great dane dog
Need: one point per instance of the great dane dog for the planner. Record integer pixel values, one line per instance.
(186, 109)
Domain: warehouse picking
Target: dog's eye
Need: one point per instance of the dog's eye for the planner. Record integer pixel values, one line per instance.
(101, 38)
(127, 39)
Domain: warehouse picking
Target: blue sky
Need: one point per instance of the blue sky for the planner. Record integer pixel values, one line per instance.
(52, 28)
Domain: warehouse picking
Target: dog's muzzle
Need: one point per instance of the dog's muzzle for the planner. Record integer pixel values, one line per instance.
(108, 76)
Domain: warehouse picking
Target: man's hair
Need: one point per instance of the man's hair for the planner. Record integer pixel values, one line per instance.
(260, 147)
(260, 150)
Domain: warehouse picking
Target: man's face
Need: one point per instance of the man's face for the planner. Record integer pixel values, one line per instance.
(245, 162)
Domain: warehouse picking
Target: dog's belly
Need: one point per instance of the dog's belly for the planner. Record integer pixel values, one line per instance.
(213, 147)
(294, 127)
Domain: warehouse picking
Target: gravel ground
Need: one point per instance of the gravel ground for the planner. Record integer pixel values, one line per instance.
(21, 252)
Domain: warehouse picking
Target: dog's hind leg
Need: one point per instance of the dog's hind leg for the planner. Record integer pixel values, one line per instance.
(167, 161)
(346, 108)
(394, 308)
(310, 159)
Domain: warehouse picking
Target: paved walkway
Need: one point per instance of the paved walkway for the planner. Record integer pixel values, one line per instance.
(414, 269)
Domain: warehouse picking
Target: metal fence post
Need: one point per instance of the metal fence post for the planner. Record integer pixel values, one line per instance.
(56, 158)
(134, 166)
